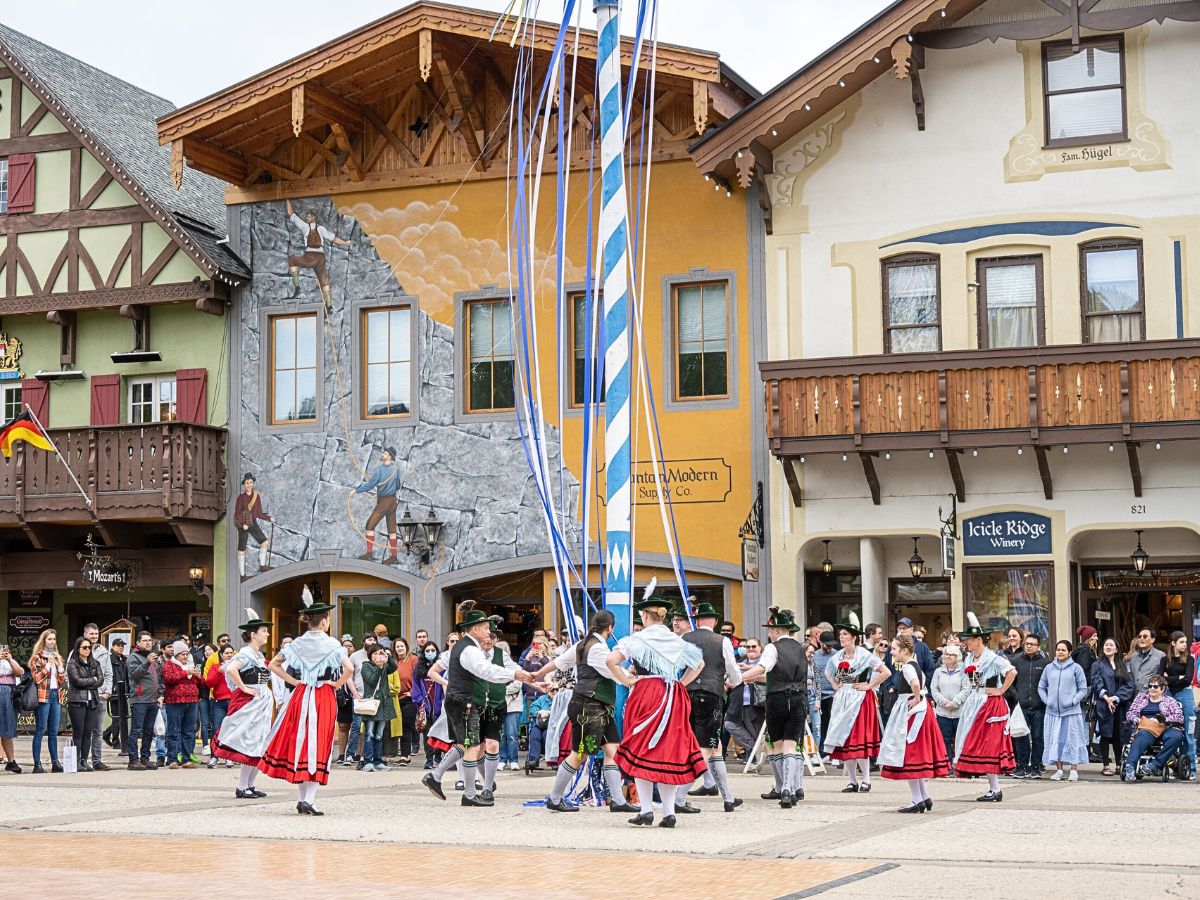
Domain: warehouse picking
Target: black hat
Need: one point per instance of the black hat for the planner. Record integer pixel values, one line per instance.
(253, 621)
(974, 629)
(118, 642)
(853, 626)
(308, 605)
(390, 451)
(249, 476)
(782, 618)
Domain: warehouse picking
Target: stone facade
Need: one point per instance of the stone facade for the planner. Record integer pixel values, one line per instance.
(474, 477)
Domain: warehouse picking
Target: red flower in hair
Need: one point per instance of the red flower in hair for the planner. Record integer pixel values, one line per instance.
(844, 666)
(970, 670)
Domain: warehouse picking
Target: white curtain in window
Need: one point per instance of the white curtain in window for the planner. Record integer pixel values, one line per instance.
(912, 299)
(1086, 114)
(691, 319)
(1011, 305)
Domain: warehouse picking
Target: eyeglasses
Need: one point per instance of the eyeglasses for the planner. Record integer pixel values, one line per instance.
(1031, 643)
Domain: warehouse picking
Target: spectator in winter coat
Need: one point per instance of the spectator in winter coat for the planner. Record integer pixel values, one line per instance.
(1112, 689)
(181, 694)
(85, 677)
(949, 690)
(1086, 652)
(1157, 705)
(145, 697)
(1180, 671)
(1062, 688)
(1029, 665)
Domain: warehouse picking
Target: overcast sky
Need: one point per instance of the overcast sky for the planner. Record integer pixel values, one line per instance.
(185, 51)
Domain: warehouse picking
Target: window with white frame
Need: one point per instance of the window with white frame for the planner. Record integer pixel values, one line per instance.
(387, 362)
(1084, 90)
(3, 185)
(490, 374)
(10, 394)
(151, 399)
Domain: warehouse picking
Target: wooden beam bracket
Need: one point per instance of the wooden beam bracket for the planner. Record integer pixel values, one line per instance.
(793, 481)
(1043, 464)
(956, 474)
(1135, 467)
(868, 464)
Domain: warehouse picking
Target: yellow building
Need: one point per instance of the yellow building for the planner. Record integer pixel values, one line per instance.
(369, 191)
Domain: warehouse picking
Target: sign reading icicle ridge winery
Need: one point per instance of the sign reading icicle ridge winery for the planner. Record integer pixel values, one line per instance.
(1006, 534)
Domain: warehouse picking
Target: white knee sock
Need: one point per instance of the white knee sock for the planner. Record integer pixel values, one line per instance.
(491, 762)
(468, 779)
(612, 780)
(451, 757)
(914, 787)
(720, 775)
(924, 782)
(851, 767)
(709, 779)
(308, 791)
(246, 777)
(262, 556)
(645, 789)
(562, 780)
(993, 782)
(776, 761)
(667, 792)
(797, 772)
(864, 766)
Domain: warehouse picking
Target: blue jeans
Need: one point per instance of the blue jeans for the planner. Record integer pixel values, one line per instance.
(1188, 702)
(537, 743)
(949, 729)
(205, 716)
(1028, 749)
(46, 720)
(373, 742)
(217, 711)
(1172, 740)
(510, 749)
(181, 731)
(356, 738)
(141, 725)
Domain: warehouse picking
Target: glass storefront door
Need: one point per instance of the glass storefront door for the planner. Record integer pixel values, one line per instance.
(359, 613)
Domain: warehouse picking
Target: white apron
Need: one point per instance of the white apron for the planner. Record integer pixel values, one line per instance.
(558, 721)
(903, 726)
(247, 730)
(847, 701)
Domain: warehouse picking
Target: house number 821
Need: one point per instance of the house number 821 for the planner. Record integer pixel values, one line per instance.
(1137, 509)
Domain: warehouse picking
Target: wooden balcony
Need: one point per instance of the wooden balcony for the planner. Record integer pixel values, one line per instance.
(955, 401)
(173, 472)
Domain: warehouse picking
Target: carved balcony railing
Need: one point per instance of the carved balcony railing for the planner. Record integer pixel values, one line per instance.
(130, 472)
(962, 400)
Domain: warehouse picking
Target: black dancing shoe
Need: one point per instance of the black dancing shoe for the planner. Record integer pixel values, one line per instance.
(928, 805)
(851, 788)
(307, 809)
(474, 801)
(487, 796)
(787, 800)
(435, 786)
(731, 805)
(772, 794)
(667, 822)
(797, 797)
(243, 795)
(622, 807)
(864, 787)
(991, 797)
(459, 785)
(918, 807)
(686, 808)
(703, 792)
(561, 806)
(643, 819)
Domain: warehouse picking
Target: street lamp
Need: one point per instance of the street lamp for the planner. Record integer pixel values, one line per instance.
(1139, 556)
(826, 563)
(916, 564)
(419, 537)
(196, 574)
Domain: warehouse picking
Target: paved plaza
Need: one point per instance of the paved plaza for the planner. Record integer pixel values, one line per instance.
(106, 828)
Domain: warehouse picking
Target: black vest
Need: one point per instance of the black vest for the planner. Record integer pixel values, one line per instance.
(589, 682)
(791, 667)
(711, 679)
(905, 687)
(461, 682)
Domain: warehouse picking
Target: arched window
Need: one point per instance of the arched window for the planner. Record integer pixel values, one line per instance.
(1113, 291)
(912, 304)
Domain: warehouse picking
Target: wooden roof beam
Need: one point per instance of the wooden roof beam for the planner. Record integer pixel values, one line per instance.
(1043, 464)
(311, 101)
(462, 104)
(216, 161)
(793, 482)
(956, 474)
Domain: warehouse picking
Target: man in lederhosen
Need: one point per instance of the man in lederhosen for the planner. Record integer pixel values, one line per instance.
(313, 256)
(707, 694)
(247, 512)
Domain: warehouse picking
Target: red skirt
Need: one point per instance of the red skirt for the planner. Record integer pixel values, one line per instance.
(277, 761)
(865, 736)
(676, 758)
(925, 755)
(437, 744)
(219, 750)
(986, 749)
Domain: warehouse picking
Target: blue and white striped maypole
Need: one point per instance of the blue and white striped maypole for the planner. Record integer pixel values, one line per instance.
(613, 236)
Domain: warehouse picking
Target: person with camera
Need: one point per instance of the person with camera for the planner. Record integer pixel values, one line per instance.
(49, 673)
(145, 698)
(1157, 716)
(181, 694)
(10, 676)
(374, 673)
(85, 679)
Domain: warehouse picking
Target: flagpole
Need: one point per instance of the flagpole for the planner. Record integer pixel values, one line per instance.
(70, 474)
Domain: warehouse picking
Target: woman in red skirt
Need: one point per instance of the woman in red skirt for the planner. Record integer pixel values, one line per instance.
(658, 747)
(243, 734)
(982, 745)
(912, 749)
(301, 742)
(853, 733)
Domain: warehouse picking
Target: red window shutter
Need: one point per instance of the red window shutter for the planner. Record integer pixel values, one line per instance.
(191, 396)
(21, 168)
(106, 400)
(36, 395)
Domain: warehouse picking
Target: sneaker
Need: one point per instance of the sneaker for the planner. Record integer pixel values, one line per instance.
(195, 760)
(340, 760)
(1058, 775)
(136, 766)
(348, 761)
(1074, 776)
(174, 765)
(229, 763)
(367, 767)
(211, 764)
(188, 764)
(204, 751)
(13, 767)
(100, 767)
(382, 767)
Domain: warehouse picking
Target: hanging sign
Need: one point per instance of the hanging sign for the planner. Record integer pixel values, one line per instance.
(749, 559)
(947, 554)
(1006, 534)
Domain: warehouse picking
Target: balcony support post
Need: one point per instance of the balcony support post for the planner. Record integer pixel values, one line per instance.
(793, 482)
(1043, 464)
(1135, 467)
(956, 474)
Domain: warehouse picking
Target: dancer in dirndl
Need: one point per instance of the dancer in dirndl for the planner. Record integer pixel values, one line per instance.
(853, 732)
(300, 745)
(912, 749)
(659, 747)
(983, 746)
(242, 737)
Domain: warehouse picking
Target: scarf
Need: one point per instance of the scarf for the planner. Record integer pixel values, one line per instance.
(660, 651)
(187, 667)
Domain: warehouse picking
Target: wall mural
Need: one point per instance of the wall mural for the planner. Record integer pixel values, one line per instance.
(336, 485)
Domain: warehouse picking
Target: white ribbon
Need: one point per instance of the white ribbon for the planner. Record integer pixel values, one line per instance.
(662, 715)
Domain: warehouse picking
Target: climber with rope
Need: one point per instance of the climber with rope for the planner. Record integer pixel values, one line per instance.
(386, 481)
(313, 257)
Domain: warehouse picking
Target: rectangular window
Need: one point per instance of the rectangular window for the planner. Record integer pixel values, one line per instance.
(490, 384)
(579, 349)
(387, 362)
(3, 185)
(911, 304)
(12, 401)
(702, 340)
(294, 369)
(1114, 308)
(1017, 595)
(152, 399)
(1010, 302)
(1084, 91)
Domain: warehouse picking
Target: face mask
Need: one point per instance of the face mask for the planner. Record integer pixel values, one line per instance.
(431, 656)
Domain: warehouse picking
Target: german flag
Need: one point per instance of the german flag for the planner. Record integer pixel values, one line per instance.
(23, 428)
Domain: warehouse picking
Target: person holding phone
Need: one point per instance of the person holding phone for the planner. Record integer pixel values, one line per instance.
(145, 697)
(85, 678)
(49, 673)
(10, 673)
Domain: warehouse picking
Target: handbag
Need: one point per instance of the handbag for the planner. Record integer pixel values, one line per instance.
(421, 720)
(25, 694)
(1017, 726)
(1155, 727)
(368, 706)
(70, 757)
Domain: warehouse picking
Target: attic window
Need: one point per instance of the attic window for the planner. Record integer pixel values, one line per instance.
(1084, 91)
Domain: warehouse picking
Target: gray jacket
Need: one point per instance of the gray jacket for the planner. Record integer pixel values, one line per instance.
(950, 686)
(145, 678)
(102, 656)
(1143, 665)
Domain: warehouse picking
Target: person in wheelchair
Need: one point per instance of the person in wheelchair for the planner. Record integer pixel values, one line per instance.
(1158, 720)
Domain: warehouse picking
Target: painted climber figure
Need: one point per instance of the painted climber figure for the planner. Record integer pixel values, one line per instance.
(313, 256)
(386, 481)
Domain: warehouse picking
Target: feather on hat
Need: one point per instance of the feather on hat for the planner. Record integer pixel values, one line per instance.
(253, 621)
(974, 629)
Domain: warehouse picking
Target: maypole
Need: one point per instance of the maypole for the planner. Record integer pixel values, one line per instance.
(613, 241)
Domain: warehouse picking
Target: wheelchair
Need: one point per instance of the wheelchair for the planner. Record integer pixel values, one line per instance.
(1177, 766)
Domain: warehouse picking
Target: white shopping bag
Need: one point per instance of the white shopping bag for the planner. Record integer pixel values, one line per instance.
(160, 723)
(70, 757)
(1017, 726)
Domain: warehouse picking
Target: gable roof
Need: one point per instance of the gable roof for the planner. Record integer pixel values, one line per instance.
(116, 120)
(740, 149)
